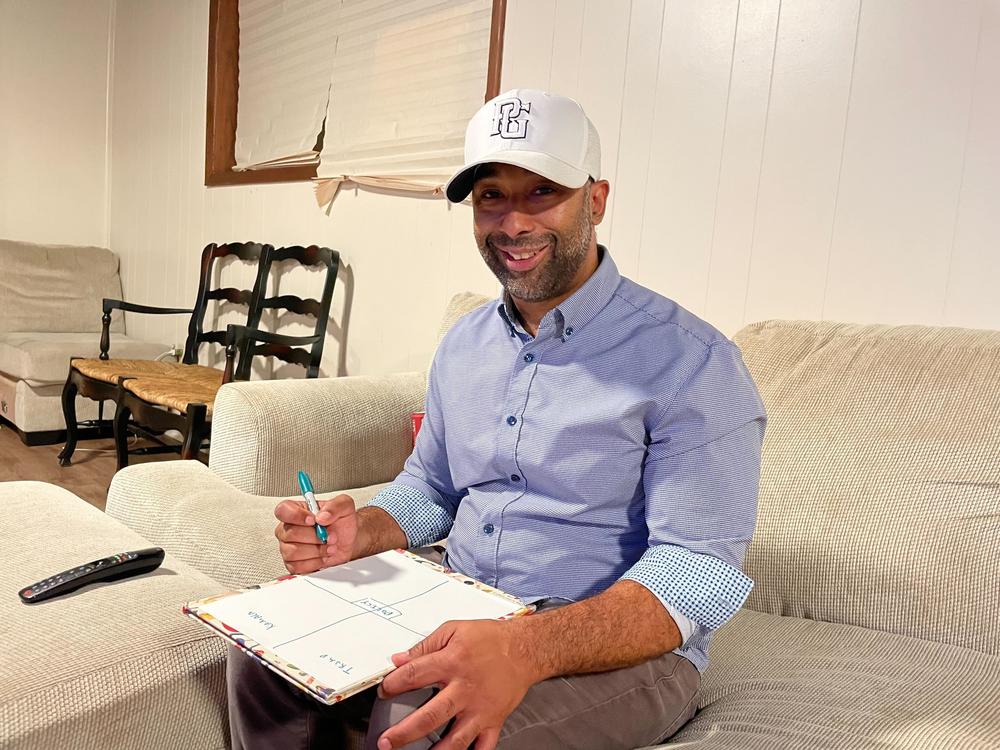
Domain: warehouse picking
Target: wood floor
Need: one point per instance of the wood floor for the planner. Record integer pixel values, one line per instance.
(88, 477)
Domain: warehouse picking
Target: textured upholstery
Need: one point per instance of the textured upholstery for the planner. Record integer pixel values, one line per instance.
(347, 432)
(186, 508)
(112, 666)
(880, 490)
(873, 623)
(38, 408)
(459, 305)
(56, 288)
(784, 683)
(50, 311)
(43, 358)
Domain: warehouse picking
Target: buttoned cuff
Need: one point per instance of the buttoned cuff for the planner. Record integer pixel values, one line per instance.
(421, 519)
(700, 587)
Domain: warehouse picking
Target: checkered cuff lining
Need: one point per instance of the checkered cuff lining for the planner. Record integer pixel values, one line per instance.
(421, 519)
(700, 587)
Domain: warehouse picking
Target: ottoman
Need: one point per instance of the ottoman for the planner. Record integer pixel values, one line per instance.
(112, 665)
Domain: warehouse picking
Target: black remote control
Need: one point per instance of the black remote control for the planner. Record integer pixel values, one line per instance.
(111, 568)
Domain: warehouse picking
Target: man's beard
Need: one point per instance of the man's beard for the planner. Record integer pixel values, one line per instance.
(554, 276)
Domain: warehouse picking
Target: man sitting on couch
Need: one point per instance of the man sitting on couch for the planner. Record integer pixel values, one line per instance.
(589, 446)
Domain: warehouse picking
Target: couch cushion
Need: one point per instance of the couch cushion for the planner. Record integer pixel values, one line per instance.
(458, 306)
(115, 665)
(43, 358)
(56, 287)
(880, 487)
(781, 682)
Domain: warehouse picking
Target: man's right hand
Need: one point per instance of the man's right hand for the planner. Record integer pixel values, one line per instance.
(300, 548)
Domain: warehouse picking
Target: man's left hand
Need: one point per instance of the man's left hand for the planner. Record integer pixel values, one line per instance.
(483, 671)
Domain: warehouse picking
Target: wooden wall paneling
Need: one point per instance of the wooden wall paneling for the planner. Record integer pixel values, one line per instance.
(909, 115)
(688, 122)
(800, 170)
(632, 176)
(740, 169)
(672, 140)
(527, 59)
(973, 291)
(601, 70)
(566, 47)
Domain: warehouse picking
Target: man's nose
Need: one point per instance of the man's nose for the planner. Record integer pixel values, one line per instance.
(516, 222)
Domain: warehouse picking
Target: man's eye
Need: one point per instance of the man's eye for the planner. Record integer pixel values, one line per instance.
(544, 190)
(489, 195)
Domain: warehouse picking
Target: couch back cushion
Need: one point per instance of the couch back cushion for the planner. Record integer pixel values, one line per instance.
(458, 306)
(880, 485)
(56, 287)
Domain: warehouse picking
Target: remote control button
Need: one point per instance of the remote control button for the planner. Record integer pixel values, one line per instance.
(29, 593)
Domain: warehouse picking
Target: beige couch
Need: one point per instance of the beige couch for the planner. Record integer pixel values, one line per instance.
(874, 620)
(50, 310)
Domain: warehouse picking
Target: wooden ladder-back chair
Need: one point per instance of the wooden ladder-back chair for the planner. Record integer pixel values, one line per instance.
(152, 404)
(97, 379)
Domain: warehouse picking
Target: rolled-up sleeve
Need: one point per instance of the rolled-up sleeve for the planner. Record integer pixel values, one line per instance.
(701, 479)
(422, 498)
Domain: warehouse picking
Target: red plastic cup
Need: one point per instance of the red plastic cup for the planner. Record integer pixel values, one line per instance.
(417, 418)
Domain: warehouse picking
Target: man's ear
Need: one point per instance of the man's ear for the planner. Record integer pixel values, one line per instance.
(599, 200)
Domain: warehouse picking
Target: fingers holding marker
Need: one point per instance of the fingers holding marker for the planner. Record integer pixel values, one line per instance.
(293, 512)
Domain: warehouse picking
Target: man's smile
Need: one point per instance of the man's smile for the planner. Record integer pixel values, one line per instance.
(522, 259)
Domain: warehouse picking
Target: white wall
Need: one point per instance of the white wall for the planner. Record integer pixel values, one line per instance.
(805, 160)
(54, 57)
(811, 159)
(406, 255)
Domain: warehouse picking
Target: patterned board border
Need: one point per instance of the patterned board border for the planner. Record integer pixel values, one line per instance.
(297, 676)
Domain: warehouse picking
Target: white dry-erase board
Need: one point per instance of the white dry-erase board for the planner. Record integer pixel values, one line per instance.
(332, 633)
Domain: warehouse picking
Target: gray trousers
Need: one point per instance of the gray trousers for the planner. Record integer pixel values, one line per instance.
(624, 708)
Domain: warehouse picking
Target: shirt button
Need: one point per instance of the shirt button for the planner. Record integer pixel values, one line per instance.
(569, 331)
(488, 528)
(515, 478)
(512, 420)
(529, 357)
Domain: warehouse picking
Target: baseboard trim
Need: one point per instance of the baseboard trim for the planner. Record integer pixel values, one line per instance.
(54, 437)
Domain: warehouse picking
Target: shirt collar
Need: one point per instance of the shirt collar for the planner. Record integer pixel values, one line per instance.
(578, 309)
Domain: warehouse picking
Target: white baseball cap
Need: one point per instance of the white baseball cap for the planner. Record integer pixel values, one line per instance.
(544, 133)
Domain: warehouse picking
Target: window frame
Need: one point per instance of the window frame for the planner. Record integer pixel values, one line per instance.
(223, 93)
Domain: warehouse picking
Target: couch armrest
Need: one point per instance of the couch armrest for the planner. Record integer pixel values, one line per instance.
(346, 432)
(196, 516)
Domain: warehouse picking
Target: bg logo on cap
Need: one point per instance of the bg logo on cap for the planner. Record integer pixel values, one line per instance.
(506, 119)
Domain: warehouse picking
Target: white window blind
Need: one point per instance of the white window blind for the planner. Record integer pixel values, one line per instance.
(406, 77)
(286, 55)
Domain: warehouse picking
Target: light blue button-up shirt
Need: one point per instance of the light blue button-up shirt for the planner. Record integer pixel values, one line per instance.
(621, 442)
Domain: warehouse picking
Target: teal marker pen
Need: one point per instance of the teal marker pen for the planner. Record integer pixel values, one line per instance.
(307, 492)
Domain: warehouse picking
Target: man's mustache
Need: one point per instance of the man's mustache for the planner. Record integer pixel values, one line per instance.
(502, 241)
